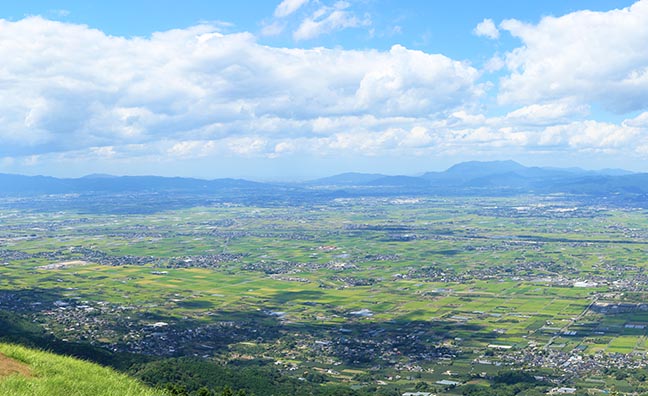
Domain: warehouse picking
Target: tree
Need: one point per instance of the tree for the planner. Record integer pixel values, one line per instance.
(177, 390)
(204, 391)
(421, 386)
(227, 391)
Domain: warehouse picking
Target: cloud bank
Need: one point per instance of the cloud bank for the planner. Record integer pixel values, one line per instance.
(70, 91)
(72, 87)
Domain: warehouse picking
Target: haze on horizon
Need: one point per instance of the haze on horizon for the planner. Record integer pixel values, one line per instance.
(299, 89)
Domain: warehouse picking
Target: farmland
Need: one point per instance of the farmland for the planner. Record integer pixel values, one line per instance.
(365, 292)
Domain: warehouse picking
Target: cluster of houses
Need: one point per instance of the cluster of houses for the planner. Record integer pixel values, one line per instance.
(201, 261)
(402, 346)
(76, 253)
(573, 363)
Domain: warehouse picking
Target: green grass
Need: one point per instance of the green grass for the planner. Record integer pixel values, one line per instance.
(59, 375)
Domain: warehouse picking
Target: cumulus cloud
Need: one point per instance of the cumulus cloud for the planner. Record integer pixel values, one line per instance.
(410, 82)
(418, 136)
(78, 94)
(590, 135)
(487, 28)
(329, 19)
(73, 87)
(591, 57)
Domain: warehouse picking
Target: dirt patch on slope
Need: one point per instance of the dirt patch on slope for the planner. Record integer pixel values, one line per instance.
(9, 367)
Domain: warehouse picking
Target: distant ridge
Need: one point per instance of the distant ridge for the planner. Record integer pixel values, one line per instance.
(500, 178)
(484, 168)
(398, 181)
(99, 176)
(18, 184)
(466, 178)
(347, 179)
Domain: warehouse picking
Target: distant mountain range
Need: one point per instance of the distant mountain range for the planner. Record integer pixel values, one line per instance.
(501, 177)
(466, 178)
(29, 185)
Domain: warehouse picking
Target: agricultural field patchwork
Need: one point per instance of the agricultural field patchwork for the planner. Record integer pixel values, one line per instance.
(364, 292)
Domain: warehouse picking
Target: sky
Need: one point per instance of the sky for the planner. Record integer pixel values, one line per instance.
(298, 89)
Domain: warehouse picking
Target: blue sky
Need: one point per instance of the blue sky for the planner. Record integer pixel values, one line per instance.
(304, 88)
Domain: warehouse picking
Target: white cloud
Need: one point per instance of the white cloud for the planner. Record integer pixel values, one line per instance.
(591, 57)
(494, 64)
(105, 152)
(544, 114)
(60, 12)
(31, 160)
(329, 19)
(196, 93)
(288, 7)
(409, 82)
(417, 137)
(273, 29)
(285, 147)
(487, 28)
(75, 88)
(192, 149)
(591, 135)
(243, 145)
(247, 145)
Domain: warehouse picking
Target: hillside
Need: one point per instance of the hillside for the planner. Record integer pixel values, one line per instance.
(30, 372)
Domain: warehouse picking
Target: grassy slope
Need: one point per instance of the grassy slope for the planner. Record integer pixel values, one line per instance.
(58, 375)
